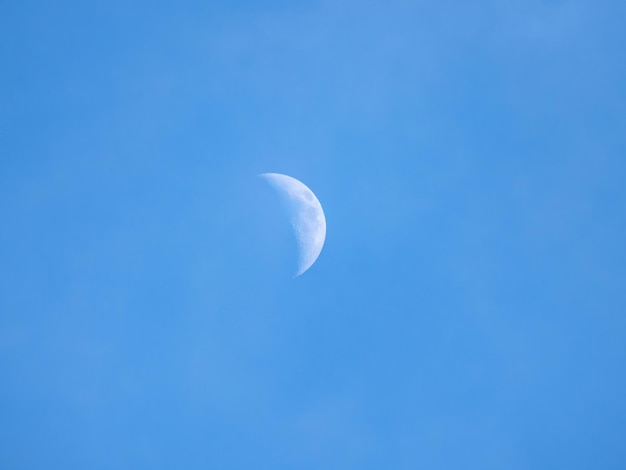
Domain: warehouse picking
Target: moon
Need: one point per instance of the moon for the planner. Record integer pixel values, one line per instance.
(306, 215)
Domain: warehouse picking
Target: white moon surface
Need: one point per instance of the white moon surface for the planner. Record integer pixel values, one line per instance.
(306, 214)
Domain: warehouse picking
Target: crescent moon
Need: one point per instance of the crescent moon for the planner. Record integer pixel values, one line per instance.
(306, 214)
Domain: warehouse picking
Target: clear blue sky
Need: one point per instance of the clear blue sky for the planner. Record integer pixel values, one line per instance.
(468, 310)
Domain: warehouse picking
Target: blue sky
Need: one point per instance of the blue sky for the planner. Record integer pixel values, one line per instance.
(467, 310)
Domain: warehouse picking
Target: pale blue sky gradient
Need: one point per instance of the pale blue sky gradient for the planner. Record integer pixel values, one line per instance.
(468, 308)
